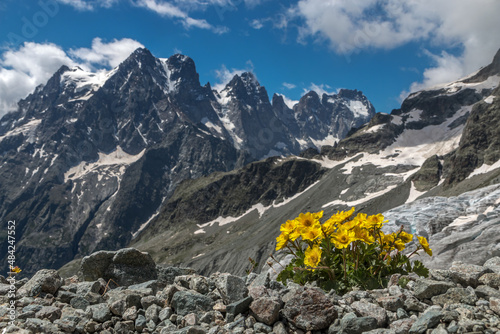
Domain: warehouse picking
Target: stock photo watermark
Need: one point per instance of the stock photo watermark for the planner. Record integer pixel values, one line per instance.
(13, 271)
(31, 24)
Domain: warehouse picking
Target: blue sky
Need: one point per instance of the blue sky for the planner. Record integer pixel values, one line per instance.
(386, 48)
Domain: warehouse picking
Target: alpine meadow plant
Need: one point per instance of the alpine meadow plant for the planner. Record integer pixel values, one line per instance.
(346, 251)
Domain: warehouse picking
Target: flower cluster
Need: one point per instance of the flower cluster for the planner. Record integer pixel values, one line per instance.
(346, 250)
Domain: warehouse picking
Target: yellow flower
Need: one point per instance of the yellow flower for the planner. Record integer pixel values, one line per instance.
(363, 234)
(387, 240)
(375, 221)
(405, 237)
(343, 238)
(312, 233)
(331, 224)
(425, 245)
(312, 256)
(400, 245)
(307, 220)
(282, 240)
(288, 227)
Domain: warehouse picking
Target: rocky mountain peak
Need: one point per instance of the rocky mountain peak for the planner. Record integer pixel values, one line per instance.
(182, 69)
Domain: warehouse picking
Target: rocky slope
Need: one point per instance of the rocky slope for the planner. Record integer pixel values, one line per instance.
(442, 142)
(161, 300)
(88, 159)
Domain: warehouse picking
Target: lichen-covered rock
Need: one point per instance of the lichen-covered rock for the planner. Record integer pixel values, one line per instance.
(44, 281)
(309, 309)
(125, 267)
(266, 310)
(184, 302)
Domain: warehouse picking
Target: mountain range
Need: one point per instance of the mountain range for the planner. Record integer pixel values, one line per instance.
(144, 156)
(90, 160)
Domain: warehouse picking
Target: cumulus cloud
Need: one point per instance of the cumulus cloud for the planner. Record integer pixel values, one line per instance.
(23, 69)
(32, 64)
(105, 54)
(288, 85)
(386, 24)
(224, 75)
(320, 89)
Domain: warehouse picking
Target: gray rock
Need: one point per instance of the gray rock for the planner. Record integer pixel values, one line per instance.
(45, 280)
(96, 265)
(232, 288)
(366, 309)
(456, 296)
(266, 310)
(390, 303)
(152, 313)
(126, 267)
(262, 328)
(199, 284)
(66, 325)
(184, 302)
(428, 320)
(100, 312)
(355, 325)
(490, 279)
(309, 309)
(493, 264)
(127, 298)
(140, 323)
(130, 314)
(154, 285)
(467, 274)
(484, 291)
(65, 296)
(495, 305)
(165, 313)
(40, 326)
(167, 275)
(402, 326)
(49, 312)
(241, 306)
(426, 288)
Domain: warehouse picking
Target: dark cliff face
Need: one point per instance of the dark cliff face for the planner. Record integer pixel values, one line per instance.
(89, 158)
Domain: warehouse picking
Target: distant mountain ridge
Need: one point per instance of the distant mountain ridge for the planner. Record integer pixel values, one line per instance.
(88, 159)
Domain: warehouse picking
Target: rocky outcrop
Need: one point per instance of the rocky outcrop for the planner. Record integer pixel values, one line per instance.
(464, 298)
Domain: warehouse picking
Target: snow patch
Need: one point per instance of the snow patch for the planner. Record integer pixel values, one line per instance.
(414, 193)
(367, 197)
(358, 108)
(484, 169)
(489, 99)
(117, 157)
(27, 129)
(211, 125)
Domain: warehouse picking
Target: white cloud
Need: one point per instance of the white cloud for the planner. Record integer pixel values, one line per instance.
(320, 89)
(88, 4)
(289, 102)
(257, 24)
(106, 54)
(169, 10)
(23, 69)
(32, 64)
(387, 24)
(224, 75)
(289, 85)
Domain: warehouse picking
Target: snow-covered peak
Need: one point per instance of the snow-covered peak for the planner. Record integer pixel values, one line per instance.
(457, 86)
(81, 80)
